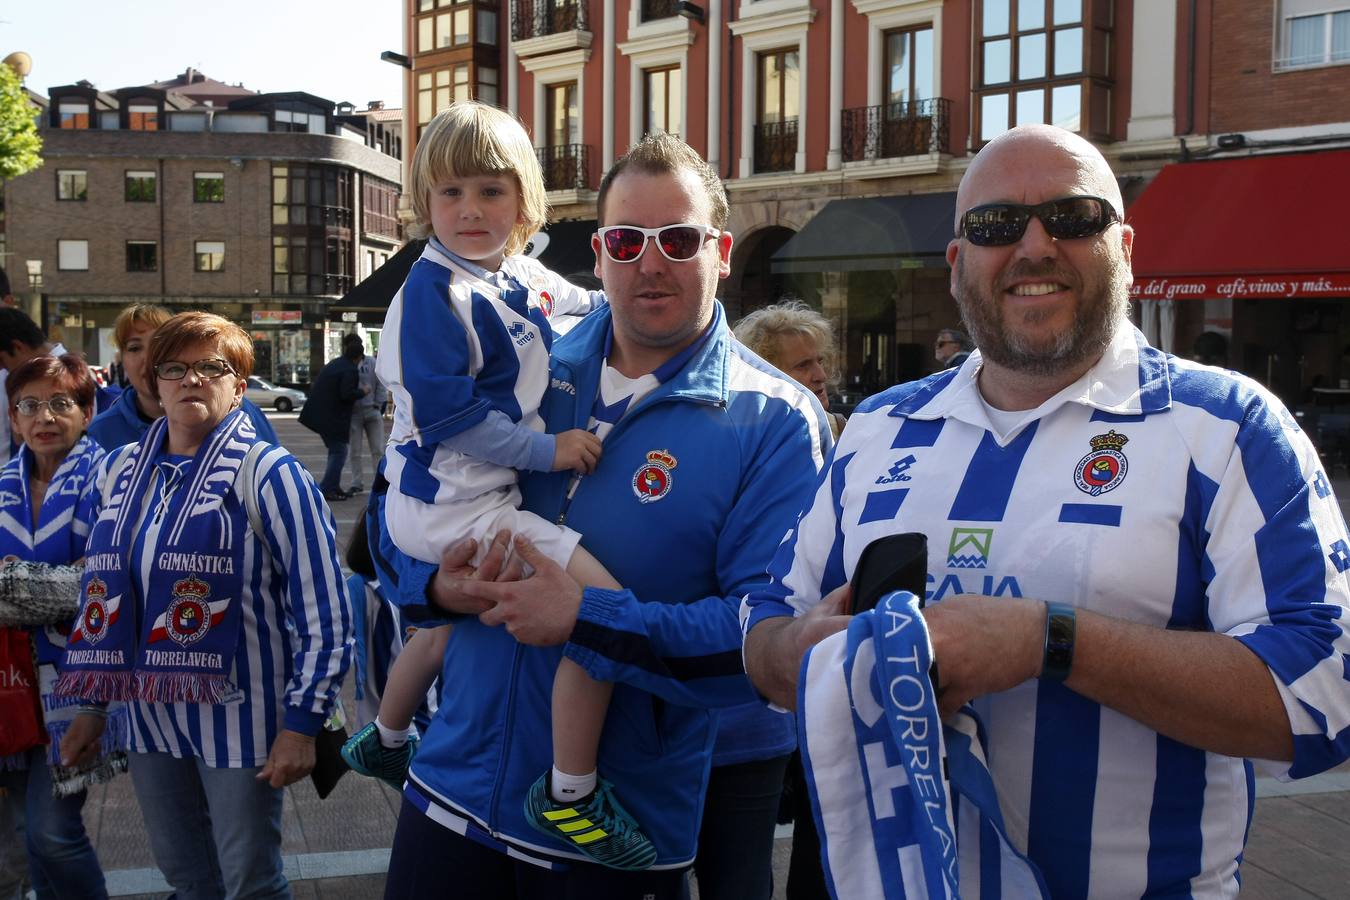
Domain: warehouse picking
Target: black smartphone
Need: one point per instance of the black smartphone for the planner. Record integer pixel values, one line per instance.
(896, 562)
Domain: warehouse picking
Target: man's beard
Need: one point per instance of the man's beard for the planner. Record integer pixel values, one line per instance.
(1103, 305)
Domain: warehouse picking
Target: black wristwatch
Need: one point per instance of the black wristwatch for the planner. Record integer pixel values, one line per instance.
(1060, 627)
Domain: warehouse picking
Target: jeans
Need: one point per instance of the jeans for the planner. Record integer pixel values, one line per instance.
(61, 860)
(332, 472)
(735, 840)
(215, 833)
(369, 424)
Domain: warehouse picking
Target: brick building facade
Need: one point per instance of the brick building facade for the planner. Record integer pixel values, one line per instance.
(264, 208)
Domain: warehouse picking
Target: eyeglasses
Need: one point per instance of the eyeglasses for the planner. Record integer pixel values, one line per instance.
(1066, 219)
(173, 370)
(59, 406)
(678, 243)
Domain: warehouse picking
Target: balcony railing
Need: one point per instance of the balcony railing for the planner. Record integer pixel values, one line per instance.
(776, 146)
(659, 9)
(907, 128)
(566, 167)
(537, 18)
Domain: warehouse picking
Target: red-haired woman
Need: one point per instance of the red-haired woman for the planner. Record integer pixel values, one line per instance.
(47, 499)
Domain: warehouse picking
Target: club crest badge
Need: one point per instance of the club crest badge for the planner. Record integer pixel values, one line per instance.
(94, 621)
(546, 303)
(1104, 468)
(188, 618)
(653, 479)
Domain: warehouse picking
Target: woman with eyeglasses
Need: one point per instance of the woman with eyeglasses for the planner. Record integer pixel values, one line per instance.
(213, 601)
(127, 420)
(47, 499)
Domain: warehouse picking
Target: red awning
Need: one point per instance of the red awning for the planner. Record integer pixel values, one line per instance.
(1258, 227)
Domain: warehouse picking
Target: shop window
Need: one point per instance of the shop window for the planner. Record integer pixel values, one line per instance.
(72, 256)
(208, 187)
(72, 184)
(140, 187)
(142, 256)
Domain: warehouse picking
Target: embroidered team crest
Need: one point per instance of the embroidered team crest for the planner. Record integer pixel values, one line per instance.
(1104, 468)
(652, 481)
(98, 613)
(546, 303)
(189, 616)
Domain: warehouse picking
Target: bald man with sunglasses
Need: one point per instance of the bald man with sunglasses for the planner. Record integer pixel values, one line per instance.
(1165, 557)
(708, 456)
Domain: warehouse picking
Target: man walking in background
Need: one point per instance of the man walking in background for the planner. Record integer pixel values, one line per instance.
(328, 413)
(367, 419)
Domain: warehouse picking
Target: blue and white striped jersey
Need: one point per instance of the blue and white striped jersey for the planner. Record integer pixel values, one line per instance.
(452, 350)
(295, 640)
(1154, 490)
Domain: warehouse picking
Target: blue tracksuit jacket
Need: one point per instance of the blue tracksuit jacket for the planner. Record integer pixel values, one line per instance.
(740, 445)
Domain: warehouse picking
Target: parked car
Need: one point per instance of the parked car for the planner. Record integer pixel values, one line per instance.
(268, 395)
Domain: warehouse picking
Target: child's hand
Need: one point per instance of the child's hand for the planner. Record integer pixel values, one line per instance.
(576, 449)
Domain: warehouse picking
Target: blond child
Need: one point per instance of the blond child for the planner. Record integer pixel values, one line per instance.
(464, 354)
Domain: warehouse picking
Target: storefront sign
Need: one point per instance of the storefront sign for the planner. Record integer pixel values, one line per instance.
(1243, 287)
(276, 316)
(349, 317)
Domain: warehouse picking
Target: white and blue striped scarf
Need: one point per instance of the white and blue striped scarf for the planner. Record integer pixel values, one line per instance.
(905, 808)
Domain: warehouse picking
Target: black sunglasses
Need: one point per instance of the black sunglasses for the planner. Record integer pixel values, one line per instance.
(1065, 219)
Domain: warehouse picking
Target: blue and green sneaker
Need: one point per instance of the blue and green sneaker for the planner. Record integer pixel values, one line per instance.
(597, 825)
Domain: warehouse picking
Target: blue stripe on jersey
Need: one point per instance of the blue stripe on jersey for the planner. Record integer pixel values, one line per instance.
(911, 397)
(1068, 729)
(989, 478)
(1190, 607)
(497, 382)
(416, 479)
(1089, 514)
(991, 861)
(918, 433)
(881, 506)
(1175, 838)
(834, 574)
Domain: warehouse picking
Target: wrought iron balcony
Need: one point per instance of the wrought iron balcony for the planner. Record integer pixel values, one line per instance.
(537, 18)
(907, 128)
(659, 9)
(776, 146)
(567, 167)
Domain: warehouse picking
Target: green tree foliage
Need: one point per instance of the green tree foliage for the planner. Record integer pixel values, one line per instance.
(20, 144)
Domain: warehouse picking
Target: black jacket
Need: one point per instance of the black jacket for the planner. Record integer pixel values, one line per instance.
(328, 408)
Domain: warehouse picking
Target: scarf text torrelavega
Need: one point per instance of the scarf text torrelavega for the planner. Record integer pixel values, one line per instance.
(176, 643)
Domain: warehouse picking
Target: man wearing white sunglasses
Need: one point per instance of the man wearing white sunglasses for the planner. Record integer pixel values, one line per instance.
(708, 455)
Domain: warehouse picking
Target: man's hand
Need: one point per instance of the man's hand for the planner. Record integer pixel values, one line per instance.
(498, 564)
(577, 449)
(984, 645)
(81, 742)
(774, 648)
(540, 610)
(291, 759)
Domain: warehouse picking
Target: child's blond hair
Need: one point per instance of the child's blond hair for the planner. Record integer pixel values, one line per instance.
(468, 139)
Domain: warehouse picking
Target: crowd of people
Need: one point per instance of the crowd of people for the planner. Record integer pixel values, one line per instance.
(602, 606)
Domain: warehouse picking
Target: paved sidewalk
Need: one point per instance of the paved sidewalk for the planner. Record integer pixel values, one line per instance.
(338, 848)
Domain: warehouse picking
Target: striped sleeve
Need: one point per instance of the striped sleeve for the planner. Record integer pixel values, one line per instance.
(1280, 554)
(302, 538)
(428, 357)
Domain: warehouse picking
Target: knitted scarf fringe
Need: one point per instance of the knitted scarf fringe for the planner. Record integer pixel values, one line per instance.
(103, 686)
(182, 687)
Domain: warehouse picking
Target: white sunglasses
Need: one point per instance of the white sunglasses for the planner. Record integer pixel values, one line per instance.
(677, 243)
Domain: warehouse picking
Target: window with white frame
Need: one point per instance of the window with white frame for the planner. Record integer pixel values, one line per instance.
(72, 256)
(209, 256)
(72, 184)
(1313, 33)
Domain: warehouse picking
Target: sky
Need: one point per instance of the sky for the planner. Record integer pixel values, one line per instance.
(330, 48)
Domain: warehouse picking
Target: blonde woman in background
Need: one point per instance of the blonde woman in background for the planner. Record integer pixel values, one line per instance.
(799, 342)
